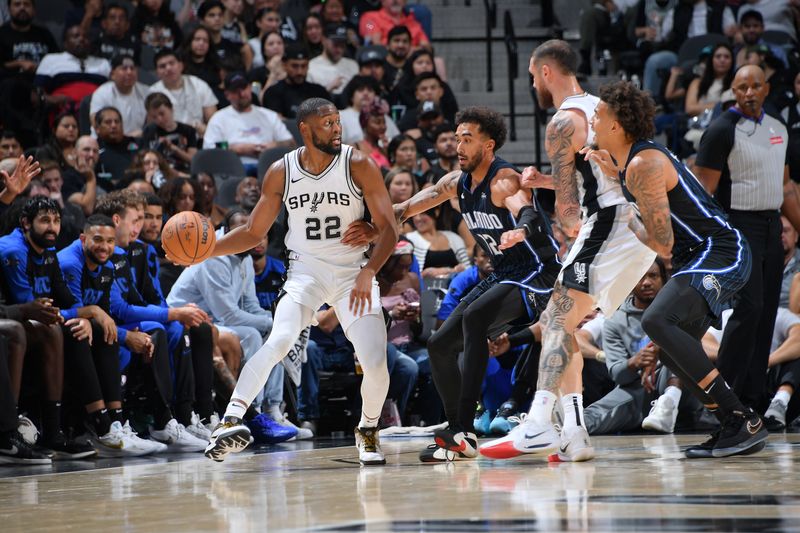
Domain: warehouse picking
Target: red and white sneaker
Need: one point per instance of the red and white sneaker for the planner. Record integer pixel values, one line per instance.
(527, 438)
(575, 446)
(464, 443)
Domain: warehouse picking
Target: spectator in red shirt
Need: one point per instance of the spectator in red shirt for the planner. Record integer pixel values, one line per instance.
(374, 26)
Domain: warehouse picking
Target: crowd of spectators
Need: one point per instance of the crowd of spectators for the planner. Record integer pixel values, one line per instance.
(111, 117)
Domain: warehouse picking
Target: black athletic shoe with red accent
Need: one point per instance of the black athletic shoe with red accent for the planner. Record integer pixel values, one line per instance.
(462, 442)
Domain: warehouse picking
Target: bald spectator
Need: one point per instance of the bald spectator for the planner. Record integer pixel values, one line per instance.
(124, 93)
(71, 75)
(374, 26)
(193, 101)
(248, 193)
(79, 184)
(331, 69)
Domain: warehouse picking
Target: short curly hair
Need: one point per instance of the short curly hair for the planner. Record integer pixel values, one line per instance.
(488, 120)
(634, 109)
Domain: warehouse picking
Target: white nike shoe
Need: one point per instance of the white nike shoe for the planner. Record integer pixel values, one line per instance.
(213, 422)
(229, 436)
(662, 415)
(116, 443)
(197, 429)
(527, 438)
(27, 429)
(155, 446)
(369, 447)
(575, 446)
(177, 438)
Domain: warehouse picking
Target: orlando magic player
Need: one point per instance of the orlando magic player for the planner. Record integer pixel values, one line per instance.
(492, 203)
(324, 186)
(711, 260)
(603, 266)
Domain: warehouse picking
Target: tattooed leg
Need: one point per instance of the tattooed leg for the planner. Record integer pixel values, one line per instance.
(564, 312)
(572, 380)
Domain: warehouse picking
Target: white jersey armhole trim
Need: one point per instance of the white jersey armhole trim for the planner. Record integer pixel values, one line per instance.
(348, 177)
(286, 177)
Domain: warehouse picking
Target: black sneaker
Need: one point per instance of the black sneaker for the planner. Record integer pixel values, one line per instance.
(702, 450)
(462, 442)
(739, 433)
(15, 450)
(435, 454)
(68, 449)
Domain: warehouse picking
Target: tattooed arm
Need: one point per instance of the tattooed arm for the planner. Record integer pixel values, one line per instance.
(428, 198)
(560, 139)
(646, 180)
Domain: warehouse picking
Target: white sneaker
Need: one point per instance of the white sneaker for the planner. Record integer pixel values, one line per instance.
(575, 446)
(155, 446)
(662, 415)
(213, 422)
(177, 438)
(197, 428)
(116, 443)
(28, 430)
(369, 447)
(528, 437)
(230, 436)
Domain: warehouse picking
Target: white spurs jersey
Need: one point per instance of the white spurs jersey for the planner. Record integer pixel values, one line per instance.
(596, 190)
(320, 207)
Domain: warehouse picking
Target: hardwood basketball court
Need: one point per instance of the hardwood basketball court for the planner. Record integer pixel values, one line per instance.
(637, 483)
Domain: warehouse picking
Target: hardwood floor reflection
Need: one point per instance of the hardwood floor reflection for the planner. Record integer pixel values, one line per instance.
(636, 483)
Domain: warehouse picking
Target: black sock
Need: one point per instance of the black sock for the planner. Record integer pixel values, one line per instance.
(161, 417)
(101, 422)
(117, 415)
(183, 413)
(250, 414)
(724, 397)
(51, 419)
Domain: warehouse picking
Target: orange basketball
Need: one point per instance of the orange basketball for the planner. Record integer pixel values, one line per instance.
(188, 238)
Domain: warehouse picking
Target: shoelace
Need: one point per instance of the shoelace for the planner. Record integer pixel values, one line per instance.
(369, 438)
(518, 419)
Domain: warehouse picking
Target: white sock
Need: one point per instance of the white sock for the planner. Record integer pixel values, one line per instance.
(542, 405)
(573, 410)
(783, 397)
(368, 422)
(673, 393)
(235, 409)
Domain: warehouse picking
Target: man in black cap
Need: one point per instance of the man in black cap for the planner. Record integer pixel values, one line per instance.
(429, 117)
(428, 87)
(331, 69)
(248, 129)
(286, 96)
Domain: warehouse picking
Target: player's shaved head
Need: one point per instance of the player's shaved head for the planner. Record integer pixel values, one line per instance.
(314, 107)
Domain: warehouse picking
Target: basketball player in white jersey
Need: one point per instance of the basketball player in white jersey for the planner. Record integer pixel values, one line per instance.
(603, 266)
(324, 186)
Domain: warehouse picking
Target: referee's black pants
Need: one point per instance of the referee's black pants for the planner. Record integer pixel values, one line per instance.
(746, 342)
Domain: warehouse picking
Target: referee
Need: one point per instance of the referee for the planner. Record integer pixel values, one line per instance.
(742, 160)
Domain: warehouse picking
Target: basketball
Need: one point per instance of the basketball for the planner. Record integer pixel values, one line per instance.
(188, 238)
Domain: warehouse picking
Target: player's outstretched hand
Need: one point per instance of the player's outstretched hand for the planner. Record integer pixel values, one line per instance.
(359, 233)
(603, 160)
(511, 238)
(361, 295)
